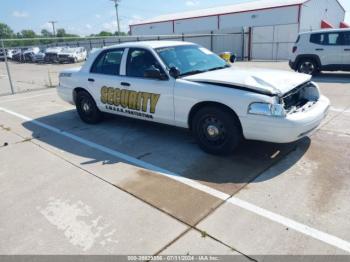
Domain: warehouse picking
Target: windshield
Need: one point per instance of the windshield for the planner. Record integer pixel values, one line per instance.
(190, 59)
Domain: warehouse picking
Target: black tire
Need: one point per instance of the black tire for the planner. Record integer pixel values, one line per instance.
(87, 108)
(216, 130)
(308, 66)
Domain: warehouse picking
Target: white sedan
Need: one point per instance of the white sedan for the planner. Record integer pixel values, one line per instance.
(185, 85)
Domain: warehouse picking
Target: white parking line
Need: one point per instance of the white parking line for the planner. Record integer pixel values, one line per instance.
(22, 98)
(339, 110)
(302, 228)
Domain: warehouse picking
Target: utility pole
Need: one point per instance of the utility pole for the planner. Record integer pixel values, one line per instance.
(53, 27)
(116, 3)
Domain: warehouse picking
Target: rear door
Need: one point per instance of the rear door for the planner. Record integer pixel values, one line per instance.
(105, 81)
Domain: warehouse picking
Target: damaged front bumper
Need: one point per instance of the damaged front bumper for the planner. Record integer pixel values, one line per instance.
(288, 129)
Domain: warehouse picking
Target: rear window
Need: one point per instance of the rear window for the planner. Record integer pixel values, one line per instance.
(108, 62)
(318, 39)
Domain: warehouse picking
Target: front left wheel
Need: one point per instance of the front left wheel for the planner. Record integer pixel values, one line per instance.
(87, 108)
(216, 130)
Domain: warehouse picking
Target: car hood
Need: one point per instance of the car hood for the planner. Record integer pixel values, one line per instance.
(266, 81)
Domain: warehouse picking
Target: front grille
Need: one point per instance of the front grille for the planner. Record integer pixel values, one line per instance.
(51, 56)
(296, 98)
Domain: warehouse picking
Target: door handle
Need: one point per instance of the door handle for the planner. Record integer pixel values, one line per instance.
(125, 84)
(319, 49)
(347, 49)
(91, 80)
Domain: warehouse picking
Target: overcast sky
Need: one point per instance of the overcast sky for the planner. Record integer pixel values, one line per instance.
(92, 16)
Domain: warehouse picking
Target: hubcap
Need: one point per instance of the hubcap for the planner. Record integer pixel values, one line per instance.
(86, 107)
(213, 131)
(307, 68)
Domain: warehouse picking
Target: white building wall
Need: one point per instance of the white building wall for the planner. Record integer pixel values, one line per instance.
(283, 15)
(196, 24)
(314, 11)
(273, 42)
(163, 28)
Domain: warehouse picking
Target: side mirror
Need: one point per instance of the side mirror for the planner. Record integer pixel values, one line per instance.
(174, 72)
(153, 73)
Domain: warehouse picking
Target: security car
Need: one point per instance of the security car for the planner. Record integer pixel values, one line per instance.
(185, 85)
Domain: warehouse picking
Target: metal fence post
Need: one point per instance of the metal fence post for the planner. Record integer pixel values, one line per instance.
(243, 44)
(183, 37)
(212, 40)
(7, 66)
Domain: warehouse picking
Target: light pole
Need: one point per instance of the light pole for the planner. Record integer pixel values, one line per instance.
(116, 3)
(53, 27)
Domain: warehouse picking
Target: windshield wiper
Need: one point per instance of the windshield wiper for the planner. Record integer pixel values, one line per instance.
(193, 72)
(219, 67)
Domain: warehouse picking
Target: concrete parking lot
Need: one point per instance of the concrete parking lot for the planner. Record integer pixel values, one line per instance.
(28, 77)
(132, 187)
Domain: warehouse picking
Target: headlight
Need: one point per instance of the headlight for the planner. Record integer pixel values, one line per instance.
(266, 109)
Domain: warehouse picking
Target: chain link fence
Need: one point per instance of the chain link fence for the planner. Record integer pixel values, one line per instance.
(34, 64)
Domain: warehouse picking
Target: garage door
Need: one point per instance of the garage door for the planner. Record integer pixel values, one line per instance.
(273, 42)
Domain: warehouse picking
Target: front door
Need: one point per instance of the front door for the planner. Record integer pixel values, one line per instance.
(149, 99)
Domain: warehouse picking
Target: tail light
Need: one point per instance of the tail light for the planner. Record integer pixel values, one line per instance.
(295, 48)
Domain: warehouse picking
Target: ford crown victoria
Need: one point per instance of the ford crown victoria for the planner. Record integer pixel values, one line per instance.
(185, 85)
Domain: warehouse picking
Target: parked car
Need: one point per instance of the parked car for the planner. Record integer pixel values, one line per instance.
(10, 53)
(18, 55)
(30, 53)
(186, 85)
(326, 50)
(51, 54)
(72, 55)
(2, 55)
(40, 57)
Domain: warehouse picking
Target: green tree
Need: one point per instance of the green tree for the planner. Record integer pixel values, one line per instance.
(120, 34)
(46, 33)
(28, 34)
(61, 32)
(104, 33)
(5, 31)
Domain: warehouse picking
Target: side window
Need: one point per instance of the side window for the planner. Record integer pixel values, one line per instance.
(346, 38)
(334, 39)
(139, 60)
(108, 63)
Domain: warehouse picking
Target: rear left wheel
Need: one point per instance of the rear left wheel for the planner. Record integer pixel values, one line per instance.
(308, 66)
(87, 108)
